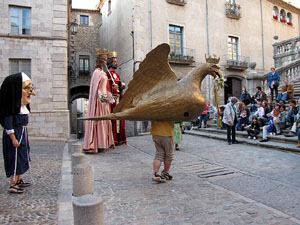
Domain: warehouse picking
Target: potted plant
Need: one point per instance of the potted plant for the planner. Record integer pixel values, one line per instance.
(172, 55)
(283, 20)
(290, 23)
(275, 17)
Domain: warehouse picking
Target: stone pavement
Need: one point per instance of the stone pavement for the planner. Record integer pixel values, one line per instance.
(38, 204)
(122, 178)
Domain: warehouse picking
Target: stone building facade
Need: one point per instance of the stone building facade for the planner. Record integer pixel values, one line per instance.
(33, 39)
(237, 31)
(82, 59)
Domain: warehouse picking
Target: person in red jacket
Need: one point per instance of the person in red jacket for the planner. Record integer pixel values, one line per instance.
(204, 115)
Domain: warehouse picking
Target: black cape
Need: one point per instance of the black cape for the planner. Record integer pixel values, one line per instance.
(10, 96)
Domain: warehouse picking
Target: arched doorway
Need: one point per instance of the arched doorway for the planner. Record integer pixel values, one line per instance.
(78, 105)
(233, 87)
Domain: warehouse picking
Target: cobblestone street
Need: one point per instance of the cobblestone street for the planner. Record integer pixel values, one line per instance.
(250, 186)
(39, 203)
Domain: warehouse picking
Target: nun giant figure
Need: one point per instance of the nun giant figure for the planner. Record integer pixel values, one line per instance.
(15, 97)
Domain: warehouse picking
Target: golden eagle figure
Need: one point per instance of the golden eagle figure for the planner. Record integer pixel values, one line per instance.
(155, 94)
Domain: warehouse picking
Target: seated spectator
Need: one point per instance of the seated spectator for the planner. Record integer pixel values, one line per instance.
(291, 117)
(243, 107)
(292, 113)
(282, 117)
(275, 116)
(243, 120)
(254, 128)
(259, 113)
(287, 92)
(204, 115)
(258, 97)
(267, 111)
(270, 104)
(245, 96)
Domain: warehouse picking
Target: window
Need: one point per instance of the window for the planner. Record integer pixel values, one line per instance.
(20, 20)
(20, 65)
(84, 20)
(282, 16)
(233, 48)
(176, 39)
(289, 18)
(275, 13)
(109, 6)
(84, 65)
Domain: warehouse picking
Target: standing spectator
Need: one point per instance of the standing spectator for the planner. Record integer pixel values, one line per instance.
(204, 115)
(273, 82)
(116, 87)
(178, 130)
(15, 98)
(230, 119)
(162, 136)
(254, 129)
(287, 92)
(245, 96)
(242, 121)
(98, 134)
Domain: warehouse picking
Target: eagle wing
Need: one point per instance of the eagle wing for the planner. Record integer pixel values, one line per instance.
(154, 75)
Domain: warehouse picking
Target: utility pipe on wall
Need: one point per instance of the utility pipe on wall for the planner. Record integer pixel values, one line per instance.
(262, 35)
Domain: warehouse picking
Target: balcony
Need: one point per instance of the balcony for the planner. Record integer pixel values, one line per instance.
(233, 10)
(177, 2)
(187, 57)
(240, 64)
(286, 51)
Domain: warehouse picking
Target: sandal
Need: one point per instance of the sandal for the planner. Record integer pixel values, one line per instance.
(21, 183)
(14, 189)
(158, 178)
(166, 175)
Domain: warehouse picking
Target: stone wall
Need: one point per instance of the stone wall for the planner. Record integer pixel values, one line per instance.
(46, 48)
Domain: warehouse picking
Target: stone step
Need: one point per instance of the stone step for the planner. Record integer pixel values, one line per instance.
(288, 145)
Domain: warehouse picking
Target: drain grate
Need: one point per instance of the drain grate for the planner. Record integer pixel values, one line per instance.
(209, 170)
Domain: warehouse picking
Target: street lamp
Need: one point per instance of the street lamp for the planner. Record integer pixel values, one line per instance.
(74, 27)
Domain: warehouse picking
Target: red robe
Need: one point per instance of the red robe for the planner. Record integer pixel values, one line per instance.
(118, 126)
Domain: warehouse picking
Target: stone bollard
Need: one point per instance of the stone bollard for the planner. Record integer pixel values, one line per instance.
(82, 180)
(77, 158)
(70, 142)
(88, 209)
(76, 148)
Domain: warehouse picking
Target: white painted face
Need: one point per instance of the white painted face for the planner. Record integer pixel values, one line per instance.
(27, 91)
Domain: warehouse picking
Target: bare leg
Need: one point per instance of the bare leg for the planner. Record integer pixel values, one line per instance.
(156, 165)
(167, 165)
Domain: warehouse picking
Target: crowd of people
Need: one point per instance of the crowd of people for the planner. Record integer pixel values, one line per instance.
(252, 113)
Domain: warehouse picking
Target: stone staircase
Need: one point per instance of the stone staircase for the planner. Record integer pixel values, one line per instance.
(278, 142)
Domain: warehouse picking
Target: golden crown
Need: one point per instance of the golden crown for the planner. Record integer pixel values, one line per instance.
(104, 51)
(213, 59)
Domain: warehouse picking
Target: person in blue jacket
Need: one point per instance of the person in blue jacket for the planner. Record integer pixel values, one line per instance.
(273, 82)
(15, 97)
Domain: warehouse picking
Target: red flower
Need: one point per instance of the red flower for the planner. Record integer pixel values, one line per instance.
(290, 23)
(283, 20)
(275, 17)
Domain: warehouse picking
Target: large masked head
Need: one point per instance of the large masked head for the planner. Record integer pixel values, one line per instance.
(15, 91)
(27, 89)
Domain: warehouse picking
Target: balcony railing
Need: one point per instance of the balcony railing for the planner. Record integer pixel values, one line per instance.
(286, 52)
(186, 57)
(177, 2)
(233, 10)
(241, 63)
